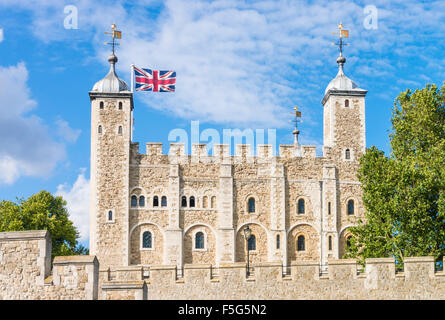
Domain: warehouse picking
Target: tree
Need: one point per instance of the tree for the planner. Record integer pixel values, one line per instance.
(43, 211)
(404, 194)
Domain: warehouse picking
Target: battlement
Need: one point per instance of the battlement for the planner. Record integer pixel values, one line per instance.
(343, 279)
(25, 270)
(25, 274)
(200, 153)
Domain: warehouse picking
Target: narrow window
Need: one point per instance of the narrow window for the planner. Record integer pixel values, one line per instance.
(329, 208)
(119, 130)
(278, 241)
(120, 105)
(134, 201)
(348, 241)
(350, 207)
(251, 243)
(141, 201)
(301, 206)
(346, 103)
(110, 215)
(205, 201)
(99, 129)
(163, 201)
(347, 154)
(155, 201)
(199, 240)
(330, 243)
(184, 201)
(147, 240)
(251, 205)
(101, 105)
(213, 202)
(192, 202)
(300, 243)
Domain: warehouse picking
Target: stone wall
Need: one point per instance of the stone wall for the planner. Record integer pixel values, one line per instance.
(25, 270)
(25, 273)
(343, 280)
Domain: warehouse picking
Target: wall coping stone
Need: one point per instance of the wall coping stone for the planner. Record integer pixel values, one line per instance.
(304, 263)
(75, 259)
(418, 259)
(379, 260)
(197, 266)
(163, 267)
(24, 235)
(233, 265)
(118, 285)
(341, 261)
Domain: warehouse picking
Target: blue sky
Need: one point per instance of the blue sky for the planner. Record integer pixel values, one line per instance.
(239, 64)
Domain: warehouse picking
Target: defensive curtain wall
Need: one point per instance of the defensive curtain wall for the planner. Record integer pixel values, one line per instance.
(26, 273)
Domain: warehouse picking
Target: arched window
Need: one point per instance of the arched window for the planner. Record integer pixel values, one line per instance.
(120, 105)
(300, 243)
(346, 103)
(101, 105)
(329, 208)
(119, 130)
(213, 202)
(278, 241)
(251, 243)
(192, 202)
(199, 240)
(147, 240)
(348, 241)
(141, 201)
(134, 201)
(350, 207)
(155, 201)
(330, 243)
(163, 201)
(205, 201)
(110, 215)
(251, 205)
(347, 154)
(184, 201)
(99, 129)
(300, 206)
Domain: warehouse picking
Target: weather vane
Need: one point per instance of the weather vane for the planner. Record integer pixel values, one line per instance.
(342, 35)
(115, 34)
(296, 132)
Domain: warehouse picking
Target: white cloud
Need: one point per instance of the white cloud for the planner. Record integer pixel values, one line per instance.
(27, 149)
(77, 197)
(1, 35)
(246, 63)
(66, 132)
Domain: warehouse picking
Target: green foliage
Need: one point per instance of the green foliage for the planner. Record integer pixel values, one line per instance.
(404, 194)
(43, 211)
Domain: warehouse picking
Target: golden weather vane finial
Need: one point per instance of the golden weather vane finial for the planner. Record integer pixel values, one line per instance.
(341, 35)
(115, 34)
(296, 132)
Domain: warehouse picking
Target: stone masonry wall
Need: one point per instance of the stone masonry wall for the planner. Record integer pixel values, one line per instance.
(25, 270)
(25, 273)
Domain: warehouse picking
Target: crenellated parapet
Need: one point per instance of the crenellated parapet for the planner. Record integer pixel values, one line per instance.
(344, 279)
(26, 274)
(243, 153)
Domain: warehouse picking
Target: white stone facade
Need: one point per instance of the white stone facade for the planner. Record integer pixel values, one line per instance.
(217, 189)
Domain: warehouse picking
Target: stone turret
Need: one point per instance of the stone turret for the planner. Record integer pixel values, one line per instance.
(111, 132)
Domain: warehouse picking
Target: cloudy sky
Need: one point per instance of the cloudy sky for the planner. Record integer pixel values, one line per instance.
(240, 64)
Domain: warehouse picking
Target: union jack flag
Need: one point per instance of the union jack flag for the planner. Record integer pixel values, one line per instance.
(153, 80)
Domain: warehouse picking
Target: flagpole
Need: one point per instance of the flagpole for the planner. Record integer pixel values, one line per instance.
(132, 77)
(132, 85)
